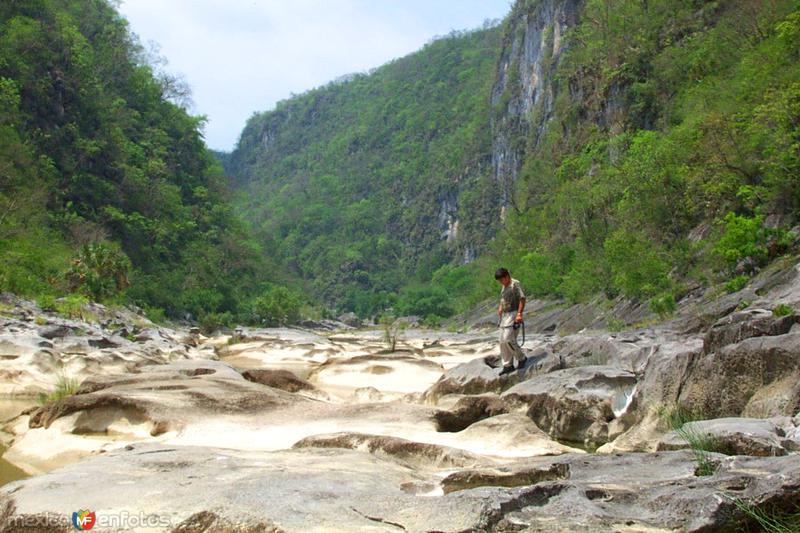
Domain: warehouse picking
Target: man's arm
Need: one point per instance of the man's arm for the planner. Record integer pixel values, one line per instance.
(521, 306)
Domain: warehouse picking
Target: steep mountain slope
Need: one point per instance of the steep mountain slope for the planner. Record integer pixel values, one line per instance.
(106, 185)
(635, 148)
(646, 147)
(373, 181)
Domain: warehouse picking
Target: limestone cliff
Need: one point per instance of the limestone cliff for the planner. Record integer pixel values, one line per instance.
(525, 88)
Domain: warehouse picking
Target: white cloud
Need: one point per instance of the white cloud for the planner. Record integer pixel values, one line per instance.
(244, 56)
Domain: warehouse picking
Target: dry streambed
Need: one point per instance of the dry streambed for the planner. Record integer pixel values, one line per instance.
(294, 430)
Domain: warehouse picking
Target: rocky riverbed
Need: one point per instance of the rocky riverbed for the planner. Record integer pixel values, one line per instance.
(319, 430)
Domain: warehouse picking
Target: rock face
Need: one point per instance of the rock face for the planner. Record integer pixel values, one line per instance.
(576, 404)
(738, 436)
(347, 490)
(35, 354)
(524, 87)
(293, 430)
(725, 382)
(736, 327)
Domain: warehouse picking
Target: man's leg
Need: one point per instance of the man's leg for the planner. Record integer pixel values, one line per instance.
(506, 353)
(514, 349)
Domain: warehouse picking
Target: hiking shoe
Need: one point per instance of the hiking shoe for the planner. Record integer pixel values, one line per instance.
(507, 369)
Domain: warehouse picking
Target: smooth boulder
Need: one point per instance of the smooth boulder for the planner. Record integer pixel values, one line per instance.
(576, 404)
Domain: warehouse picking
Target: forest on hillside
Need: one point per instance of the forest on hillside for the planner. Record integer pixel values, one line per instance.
(694, 183)
(698, 183)
(352, 184)
(108, 191)
(669, 161)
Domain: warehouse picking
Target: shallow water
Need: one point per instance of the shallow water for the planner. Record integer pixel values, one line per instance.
(10, 408)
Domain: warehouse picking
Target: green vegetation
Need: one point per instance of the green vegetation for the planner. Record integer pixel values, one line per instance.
(783, 310)
(65, 386)
(688, 117)
(615, 324)
(770, 519)
(276, 306)
(107, 189)
(706, 99)
(347, 182)
(663, 306)
(702, 444)
(371, 193)
(736, 284)
(391, 332)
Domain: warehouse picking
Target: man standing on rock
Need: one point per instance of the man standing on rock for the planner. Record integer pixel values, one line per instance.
(512, 302)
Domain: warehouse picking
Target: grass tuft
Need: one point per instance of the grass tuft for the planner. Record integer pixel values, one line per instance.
(702, 444)
(65, 386)
(769, 519)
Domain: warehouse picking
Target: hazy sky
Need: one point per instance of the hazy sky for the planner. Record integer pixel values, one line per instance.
(242, 56)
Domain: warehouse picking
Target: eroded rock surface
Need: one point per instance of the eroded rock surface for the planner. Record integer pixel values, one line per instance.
(294, 430)
(335, 489)
(576, 404)
(738, 436)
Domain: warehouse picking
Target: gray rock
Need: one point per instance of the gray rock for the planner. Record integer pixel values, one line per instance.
(415, 453)
(746, 324)
(278, 379)
(628, 351)
(576, 404)
(641, 427)
(732, 436)
(323, 325)
(338, 489)
(483, 375)
(468, 410)
(350, 319)
(52, 332)
(721, 384)
(504, 477)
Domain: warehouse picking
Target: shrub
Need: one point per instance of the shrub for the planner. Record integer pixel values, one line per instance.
(677, 419)
(539, 275)
(72, 306)
(276, 306)
(65, 386)
(211, 322)
(783, 310)
(615, 324)
(433, 321)
(424, 301)
(736, 284)
(31, 262)
(636, 265)
(46, 302)
(663, 305)
(585, 278)
(390, 331)
(155, 314)
(742, 237)
(99, 271)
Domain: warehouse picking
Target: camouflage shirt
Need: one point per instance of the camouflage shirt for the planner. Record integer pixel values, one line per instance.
(510, 296)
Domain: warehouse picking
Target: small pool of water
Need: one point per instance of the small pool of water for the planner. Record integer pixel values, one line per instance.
(9, 472)
(9, 408)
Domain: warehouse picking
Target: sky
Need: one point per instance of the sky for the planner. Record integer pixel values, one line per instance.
(244, 56)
